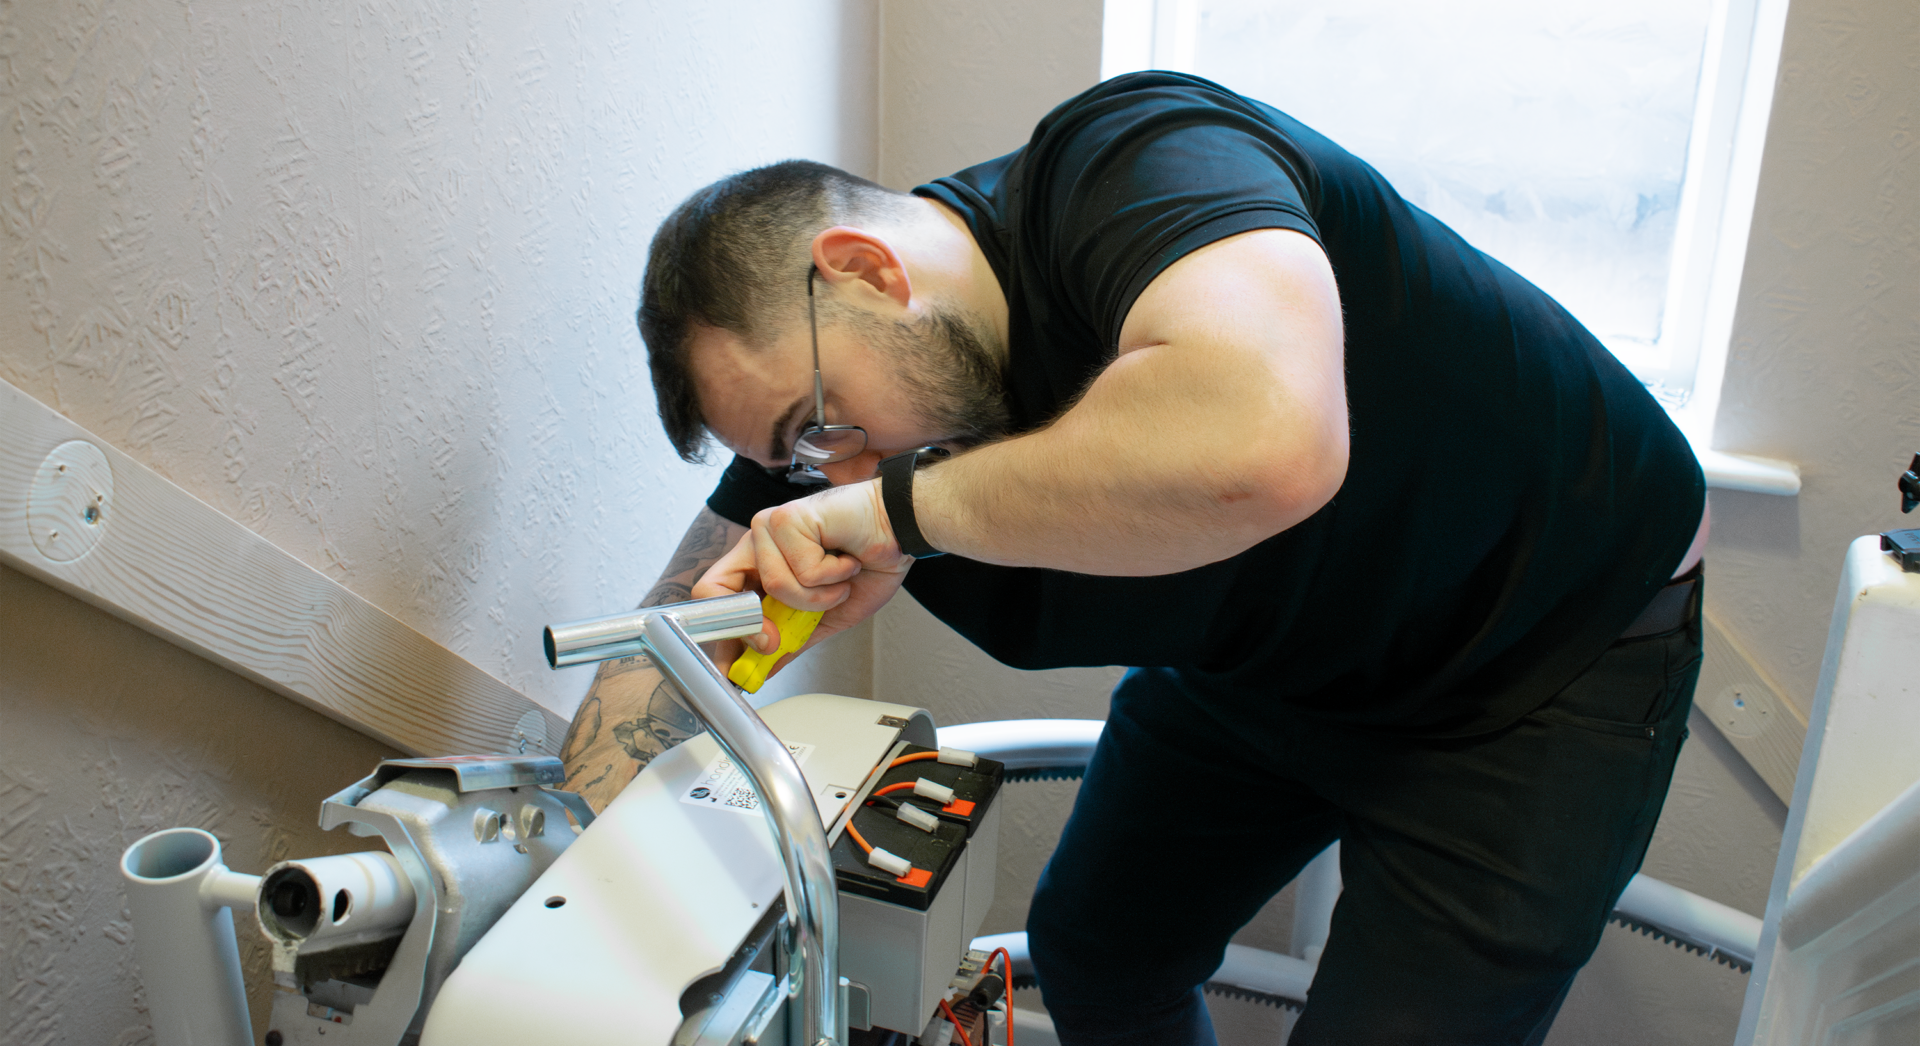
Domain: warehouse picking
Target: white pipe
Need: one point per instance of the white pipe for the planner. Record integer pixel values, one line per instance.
(1691, 917)
(1024, 744)
(1258, 970)
(1316, 891)
(180, 893)
(359, 896)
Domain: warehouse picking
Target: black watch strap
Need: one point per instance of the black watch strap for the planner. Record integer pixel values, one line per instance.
(896, 494)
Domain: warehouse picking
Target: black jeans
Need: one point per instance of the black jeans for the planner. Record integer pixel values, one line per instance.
(1478, 872)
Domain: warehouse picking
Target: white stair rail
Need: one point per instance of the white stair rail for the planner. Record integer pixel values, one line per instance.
(1065, 745)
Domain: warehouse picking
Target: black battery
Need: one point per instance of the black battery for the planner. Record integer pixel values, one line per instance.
(932, 854)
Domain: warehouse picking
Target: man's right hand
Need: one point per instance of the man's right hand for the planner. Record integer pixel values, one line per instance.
(832, 551)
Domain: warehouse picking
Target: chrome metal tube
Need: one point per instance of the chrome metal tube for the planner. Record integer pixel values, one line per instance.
(813, 901)
(619, 635)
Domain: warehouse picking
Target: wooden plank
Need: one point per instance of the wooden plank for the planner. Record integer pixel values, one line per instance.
(160, 558)
(1747, 706)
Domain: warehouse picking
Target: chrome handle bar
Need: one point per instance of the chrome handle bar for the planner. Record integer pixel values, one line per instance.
(669, 635)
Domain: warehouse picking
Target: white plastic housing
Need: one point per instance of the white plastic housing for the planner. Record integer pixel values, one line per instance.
(660, 891)
(1836, 955)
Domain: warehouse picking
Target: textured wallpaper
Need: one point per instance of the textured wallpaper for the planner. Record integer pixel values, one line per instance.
(363, 275)
(1824, 367)
(106, 734)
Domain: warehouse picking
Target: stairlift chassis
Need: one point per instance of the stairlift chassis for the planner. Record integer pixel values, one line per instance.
(657, 925)
(699, 909)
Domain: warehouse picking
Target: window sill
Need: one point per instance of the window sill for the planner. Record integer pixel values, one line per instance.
(1743, 472)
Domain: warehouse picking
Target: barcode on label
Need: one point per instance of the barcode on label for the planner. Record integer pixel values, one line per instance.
(723, 786)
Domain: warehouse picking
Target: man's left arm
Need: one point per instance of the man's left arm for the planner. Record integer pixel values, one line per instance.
(1222, 422)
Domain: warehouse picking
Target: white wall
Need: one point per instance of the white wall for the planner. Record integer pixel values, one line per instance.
(966, 82)
(1825, 367)
(106, 734)
(362, 276)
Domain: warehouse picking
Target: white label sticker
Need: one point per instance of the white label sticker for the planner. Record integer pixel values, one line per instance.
(725, 786)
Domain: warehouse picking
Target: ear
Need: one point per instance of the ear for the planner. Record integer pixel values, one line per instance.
(861, 261)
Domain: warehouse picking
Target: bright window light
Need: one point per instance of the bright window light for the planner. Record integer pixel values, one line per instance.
(1608, 151)
(1551, 136)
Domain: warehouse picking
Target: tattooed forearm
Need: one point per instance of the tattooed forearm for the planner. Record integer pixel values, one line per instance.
(668, 592)
(630, 714)
(620, 666)
(584, 731)
(584, 787)
(707, 540)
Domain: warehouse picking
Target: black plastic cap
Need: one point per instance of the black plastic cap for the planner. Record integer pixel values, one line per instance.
(1904, 546)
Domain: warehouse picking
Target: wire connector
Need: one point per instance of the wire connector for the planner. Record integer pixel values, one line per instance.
(959, 757)
(891, 863)
(933, 790)
(913, 815)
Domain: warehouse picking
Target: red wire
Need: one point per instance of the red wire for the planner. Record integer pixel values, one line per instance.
(915, 757)
(901, 786)
(858, 838)
(1006, 967)
(964, 1041)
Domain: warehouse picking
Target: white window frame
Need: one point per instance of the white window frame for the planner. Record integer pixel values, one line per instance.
(1737, 76)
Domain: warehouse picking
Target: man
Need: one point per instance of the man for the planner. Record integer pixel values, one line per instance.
(1403, 556)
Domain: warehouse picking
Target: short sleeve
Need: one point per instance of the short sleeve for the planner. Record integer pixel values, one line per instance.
(1133, 177)
(746, 488)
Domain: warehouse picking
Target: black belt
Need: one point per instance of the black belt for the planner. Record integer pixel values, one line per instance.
(1670, 609)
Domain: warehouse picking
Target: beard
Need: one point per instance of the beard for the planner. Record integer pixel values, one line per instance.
(956, 383)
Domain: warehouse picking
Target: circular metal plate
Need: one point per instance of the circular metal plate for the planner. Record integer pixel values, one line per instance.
(71, 502)
(530, 734)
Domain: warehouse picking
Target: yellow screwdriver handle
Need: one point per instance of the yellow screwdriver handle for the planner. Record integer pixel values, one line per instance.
(749, 673)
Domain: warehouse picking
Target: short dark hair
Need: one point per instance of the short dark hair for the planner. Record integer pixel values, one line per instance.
(734, 255)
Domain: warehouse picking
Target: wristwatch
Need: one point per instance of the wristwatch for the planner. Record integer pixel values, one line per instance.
(896, 494)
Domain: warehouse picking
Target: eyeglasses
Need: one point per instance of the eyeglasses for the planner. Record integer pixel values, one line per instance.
(820, 443)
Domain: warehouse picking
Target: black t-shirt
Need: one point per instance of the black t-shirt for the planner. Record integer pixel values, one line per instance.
(1513, 498)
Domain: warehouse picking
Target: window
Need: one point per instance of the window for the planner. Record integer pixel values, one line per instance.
(1605, 149)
